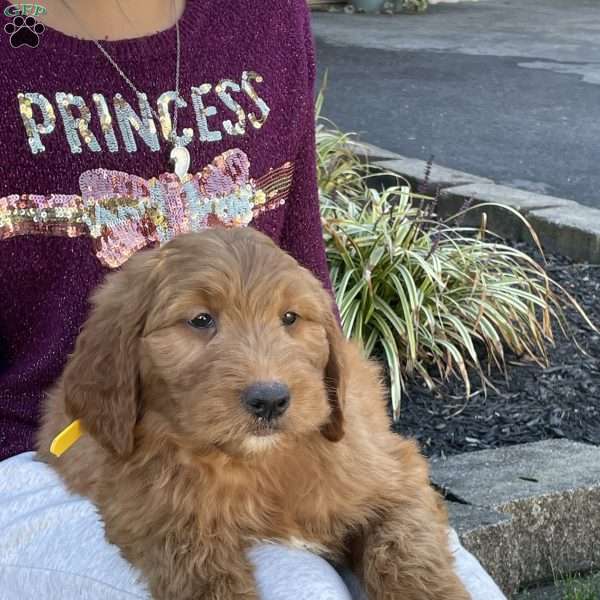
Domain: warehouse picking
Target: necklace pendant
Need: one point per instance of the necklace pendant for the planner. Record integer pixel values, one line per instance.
(180, 157)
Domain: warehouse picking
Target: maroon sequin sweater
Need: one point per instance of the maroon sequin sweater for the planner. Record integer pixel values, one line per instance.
(85, 179)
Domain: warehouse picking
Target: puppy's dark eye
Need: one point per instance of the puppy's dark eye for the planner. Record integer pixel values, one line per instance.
(202, 321)
(289, 318)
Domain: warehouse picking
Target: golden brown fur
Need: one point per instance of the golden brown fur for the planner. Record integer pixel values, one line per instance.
(171, 460)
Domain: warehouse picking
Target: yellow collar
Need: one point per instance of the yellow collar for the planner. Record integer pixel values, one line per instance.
(66, 438)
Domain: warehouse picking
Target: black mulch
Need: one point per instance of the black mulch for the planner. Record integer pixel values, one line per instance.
(561, 401)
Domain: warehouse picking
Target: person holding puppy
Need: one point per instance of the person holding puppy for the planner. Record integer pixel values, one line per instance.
(126, 124)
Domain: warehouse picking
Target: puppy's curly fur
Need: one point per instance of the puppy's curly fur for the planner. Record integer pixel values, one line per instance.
(186, 479)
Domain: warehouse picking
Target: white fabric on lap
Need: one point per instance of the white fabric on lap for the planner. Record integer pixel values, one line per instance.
(52, 547)
(52, 542)
(292, 574)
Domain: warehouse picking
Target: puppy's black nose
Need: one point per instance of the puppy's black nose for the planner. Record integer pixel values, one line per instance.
(266, 400)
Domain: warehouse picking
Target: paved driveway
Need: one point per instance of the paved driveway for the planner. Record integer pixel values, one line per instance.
(506, 89)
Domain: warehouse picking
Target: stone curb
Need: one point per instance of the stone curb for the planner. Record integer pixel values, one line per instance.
(563, 226)
(528, 512)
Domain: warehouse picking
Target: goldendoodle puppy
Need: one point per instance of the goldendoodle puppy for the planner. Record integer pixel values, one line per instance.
(221, 406)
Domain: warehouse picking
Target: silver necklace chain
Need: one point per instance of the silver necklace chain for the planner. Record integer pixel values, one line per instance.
(113, 62)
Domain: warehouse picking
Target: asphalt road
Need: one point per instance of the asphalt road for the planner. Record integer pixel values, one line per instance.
(508, 90)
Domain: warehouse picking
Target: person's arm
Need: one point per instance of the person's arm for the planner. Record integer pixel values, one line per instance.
(303, 233)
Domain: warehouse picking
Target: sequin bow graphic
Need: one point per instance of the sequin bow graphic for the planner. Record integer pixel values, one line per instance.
(124, 213)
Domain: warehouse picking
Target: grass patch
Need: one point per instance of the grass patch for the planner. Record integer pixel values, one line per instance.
(566, 587)
(576, 588)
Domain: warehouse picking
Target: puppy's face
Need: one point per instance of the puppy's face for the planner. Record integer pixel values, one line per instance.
(230, 343)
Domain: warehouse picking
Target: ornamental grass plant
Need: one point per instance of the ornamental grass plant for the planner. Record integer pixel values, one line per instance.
(434, 298)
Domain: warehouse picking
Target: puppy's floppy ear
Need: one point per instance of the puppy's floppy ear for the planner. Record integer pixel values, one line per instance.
(101, 380)
(335, 380)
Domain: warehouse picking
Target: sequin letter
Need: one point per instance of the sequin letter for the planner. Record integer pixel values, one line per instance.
(165, 119)
(247, 78)
(222, 91)
(76, 126)
(106, 122)
(128, 121)
(203, 112)
(33, 129)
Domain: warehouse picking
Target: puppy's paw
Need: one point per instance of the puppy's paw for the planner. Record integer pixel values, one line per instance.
(412, 565)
